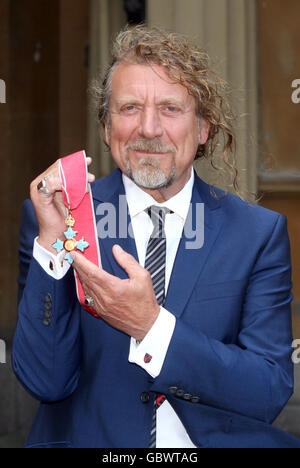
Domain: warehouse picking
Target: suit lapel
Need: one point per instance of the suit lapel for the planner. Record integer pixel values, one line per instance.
(189, 262)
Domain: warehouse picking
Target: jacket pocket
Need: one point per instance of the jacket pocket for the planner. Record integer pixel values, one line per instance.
(58, 444)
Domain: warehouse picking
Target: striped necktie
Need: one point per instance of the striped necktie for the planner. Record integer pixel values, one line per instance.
(155, 263)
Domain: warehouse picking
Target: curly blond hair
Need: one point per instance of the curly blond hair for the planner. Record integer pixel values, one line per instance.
(188, 65)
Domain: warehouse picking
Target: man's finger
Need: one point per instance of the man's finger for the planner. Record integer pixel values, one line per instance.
(91, 176)
(89, 271)
(48, 180)
(51, 182)
(126, 261)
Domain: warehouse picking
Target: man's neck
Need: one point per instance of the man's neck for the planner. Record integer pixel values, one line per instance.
(165, 193)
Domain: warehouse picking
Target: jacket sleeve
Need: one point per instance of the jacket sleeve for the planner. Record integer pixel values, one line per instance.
(47, 346)
(254, 376)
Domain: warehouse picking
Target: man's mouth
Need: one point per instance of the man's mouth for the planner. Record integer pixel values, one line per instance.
(150, 153)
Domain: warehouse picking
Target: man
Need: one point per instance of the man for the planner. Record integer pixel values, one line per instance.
(193, 345)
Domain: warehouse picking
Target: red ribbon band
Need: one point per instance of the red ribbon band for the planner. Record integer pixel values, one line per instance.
(77, 196)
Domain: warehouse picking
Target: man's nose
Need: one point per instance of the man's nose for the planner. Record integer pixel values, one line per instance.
(150, 124)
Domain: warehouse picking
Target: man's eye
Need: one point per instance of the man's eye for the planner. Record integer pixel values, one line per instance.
(172, 109)
(128, 108)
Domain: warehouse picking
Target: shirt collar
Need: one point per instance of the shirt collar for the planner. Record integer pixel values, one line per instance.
(139, 201)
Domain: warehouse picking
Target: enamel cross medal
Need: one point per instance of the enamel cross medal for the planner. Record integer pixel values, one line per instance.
(70, 242)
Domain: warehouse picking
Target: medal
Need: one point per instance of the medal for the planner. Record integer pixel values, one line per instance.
(78, 200)
(70, 242)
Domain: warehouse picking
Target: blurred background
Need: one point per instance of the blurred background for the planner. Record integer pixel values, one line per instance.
(51, 49)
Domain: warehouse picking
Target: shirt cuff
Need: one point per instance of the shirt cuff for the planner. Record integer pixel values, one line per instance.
(151, 352)
(52, 264)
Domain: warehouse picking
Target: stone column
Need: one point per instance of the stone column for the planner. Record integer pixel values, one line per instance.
(226, 29)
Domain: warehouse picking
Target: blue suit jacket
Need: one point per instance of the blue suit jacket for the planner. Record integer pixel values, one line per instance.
(231, 345)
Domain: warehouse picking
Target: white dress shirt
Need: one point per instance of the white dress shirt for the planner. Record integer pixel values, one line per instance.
(170, 432)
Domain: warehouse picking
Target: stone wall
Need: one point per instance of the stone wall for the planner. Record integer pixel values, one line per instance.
(17, 407)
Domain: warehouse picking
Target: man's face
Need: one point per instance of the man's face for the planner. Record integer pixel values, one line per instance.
(154, 131)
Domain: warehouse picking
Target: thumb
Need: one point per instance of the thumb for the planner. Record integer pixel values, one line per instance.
(126, 261)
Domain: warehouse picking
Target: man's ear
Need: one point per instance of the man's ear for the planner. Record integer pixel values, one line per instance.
(204, 128)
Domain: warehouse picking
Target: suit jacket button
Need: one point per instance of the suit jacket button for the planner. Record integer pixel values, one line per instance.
(48, 305)
(180, 392)
(195, 399)
(48, 297)
(145, 397)
(173, 389)
(46, 321)
(48, 314)
(187, 396)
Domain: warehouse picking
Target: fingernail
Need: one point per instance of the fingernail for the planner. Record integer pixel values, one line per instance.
(118, 249)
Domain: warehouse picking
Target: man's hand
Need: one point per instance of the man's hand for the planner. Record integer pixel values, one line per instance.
(128, 305)
(50, 209)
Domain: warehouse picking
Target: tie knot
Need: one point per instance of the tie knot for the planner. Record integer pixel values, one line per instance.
(157, 215)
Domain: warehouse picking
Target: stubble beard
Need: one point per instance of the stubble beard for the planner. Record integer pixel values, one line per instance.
(149, 174)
